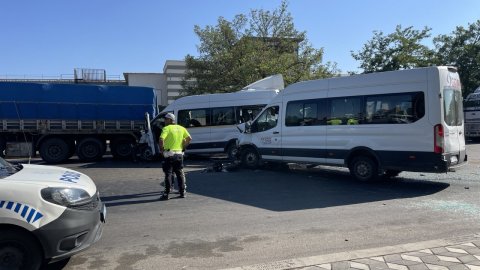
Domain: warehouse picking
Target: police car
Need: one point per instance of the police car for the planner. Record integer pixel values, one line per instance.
(47, 214)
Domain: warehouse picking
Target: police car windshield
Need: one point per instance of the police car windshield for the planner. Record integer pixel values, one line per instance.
(6, 168)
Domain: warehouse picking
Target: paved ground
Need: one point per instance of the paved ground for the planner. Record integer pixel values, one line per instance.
(276, 220)
(449, 254)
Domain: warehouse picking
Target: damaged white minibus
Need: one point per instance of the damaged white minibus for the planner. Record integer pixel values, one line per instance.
(374, 124)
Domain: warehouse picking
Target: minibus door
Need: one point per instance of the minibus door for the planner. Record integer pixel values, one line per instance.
(266, 131)
(453, 117)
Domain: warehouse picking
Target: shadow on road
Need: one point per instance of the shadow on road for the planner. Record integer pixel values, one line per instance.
(106, 162)
(56, 265)
(146, 197)
(289, 190)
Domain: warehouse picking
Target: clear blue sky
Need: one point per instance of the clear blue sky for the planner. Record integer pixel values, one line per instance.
(52, 37)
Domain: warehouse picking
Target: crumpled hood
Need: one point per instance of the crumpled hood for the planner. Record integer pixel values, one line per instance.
(52, 176)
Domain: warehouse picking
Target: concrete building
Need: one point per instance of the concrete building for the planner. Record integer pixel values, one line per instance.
(167, 84)
(174, 71)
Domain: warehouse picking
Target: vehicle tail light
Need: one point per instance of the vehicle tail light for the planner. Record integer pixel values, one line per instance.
(439, 140)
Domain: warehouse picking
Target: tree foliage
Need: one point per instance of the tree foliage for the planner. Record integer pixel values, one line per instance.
(233, 54)
(402, 49)
(462, 49)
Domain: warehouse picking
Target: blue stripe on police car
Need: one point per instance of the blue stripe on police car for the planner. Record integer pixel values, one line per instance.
(32, 216)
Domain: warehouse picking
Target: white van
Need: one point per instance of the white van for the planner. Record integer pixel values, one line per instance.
(211, 119)
(374, 124)
(46, 214)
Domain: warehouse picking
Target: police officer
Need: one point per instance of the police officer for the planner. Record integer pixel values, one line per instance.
(173, 141)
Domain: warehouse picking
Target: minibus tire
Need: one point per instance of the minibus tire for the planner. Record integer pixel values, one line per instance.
(250, 158)
(364, 168)
(19, 250)
(232, 151)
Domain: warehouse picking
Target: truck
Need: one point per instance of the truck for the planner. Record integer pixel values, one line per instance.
(61, 120)
(472, 115)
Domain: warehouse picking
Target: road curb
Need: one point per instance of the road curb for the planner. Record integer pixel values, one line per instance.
(357, 254)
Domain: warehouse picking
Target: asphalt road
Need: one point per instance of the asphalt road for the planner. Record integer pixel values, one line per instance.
(246, 217)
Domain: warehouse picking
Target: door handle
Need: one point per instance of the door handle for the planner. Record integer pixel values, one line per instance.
(276, 132)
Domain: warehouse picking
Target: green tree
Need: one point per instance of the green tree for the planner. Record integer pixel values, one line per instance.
(402, 49)
(233, 54)
(462, 49)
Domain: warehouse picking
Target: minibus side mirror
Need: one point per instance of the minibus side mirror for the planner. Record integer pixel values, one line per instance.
(248, 127)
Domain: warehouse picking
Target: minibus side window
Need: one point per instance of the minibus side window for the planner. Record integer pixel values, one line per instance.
(267, 120)
(248, 113)
(223, 116)
(305, 113)
(194, 118)
(294, 115)
(345, 111)
(401, 108)
(418, 106)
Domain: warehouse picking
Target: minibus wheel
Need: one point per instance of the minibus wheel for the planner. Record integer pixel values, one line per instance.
(18, 250)
(364, 168)
(232, 151)
(250, 158)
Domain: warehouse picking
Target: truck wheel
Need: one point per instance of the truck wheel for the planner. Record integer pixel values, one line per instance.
(54, 150)
(250, 158)
(90, 149)
(364, 168)
(122, 148)
(18, 250)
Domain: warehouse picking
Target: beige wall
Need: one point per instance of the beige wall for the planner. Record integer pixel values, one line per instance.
(167, 84)
(155, 80)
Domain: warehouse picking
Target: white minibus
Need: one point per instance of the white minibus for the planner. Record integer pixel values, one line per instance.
(374, 124)
(211, 119)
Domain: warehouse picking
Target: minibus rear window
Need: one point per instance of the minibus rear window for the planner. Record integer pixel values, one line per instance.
(452, 107)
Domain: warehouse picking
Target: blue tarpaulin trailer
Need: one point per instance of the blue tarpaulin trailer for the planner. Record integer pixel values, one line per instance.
(59, 120)
(75, 102)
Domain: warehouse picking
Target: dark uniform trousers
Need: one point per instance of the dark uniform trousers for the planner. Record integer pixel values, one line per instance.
(174, 164)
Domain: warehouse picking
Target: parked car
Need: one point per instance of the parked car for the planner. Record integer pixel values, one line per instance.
(47, 214)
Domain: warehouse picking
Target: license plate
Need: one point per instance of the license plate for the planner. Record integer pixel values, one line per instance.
(453, 160)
